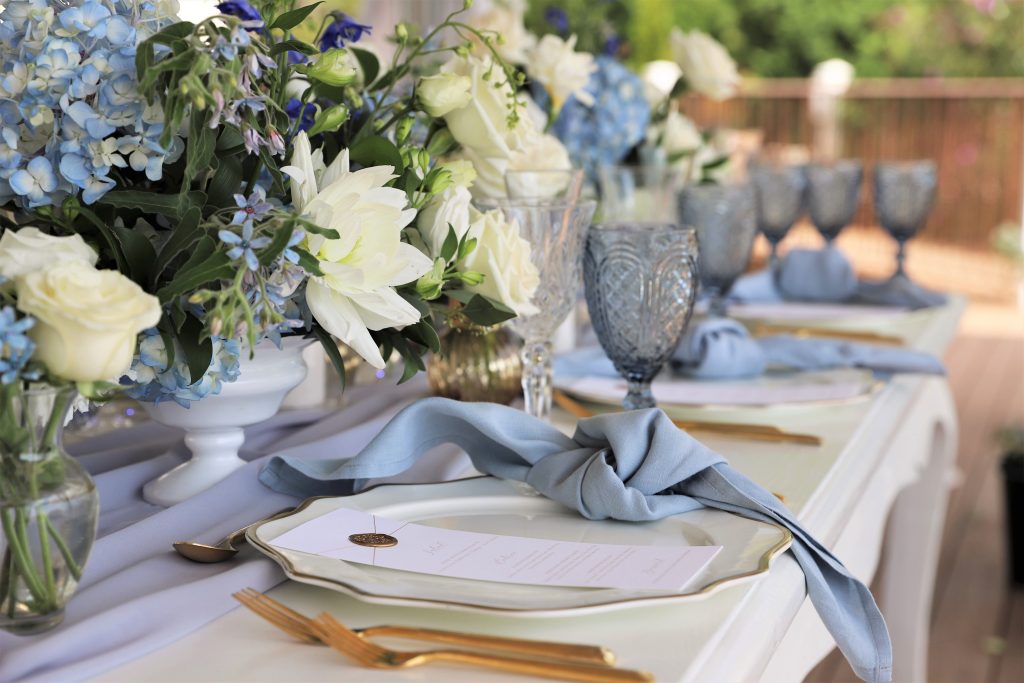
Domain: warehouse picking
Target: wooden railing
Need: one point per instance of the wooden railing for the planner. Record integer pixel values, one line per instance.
(973, 129)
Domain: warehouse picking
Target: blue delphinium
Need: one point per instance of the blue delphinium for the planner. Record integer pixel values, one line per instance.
(153, 381)
(71, 117)
(295, 109)
(244, 11)
(342, 31)
(16, 348)
(603, 134)
(557, 19)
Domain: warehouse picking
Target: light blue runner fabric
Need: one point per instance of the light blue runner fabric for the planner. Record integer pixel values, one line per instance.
(826, 276)
(634, 466)
(720, 348)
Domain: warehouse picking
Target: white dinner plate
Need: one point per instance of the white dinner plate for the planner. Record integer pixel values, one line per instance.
(496, 506)
(773, 389)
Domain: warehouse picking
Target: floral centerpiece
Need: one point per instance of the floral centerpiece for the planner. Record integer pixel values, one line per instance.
(64, 324)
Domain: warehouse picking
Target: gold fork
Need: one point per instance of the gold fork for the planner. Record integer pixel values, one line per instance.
(342, 639)
(301, 627)
(746, 431)
(769, 329)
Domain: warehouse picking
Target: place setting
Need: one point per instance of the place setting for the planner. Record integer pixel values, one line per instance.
(451, 319)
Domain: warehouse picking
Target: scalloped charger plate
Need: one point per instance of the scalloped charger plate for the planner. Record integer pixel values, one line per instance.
(490, 505)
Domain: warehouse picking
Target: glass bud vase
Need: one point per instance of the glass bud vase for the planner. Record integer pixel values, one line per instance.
(476, 364)
(48, 510)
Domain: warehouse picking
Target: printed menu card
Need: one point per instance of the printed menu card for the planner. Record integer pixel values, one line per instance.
(357, 536)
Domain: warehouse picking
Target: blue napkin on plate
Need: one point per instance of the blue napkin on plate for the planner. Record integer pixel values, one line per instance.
(634, 466)
(826, 276)
(720, 348)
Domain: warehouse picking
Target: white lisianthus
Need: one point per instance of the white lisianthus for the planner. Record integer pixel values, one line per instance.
(463, 173)
(506, 20)
(706, 64)
(676, 134)
(483, 123)
(451, 207)
(659, 77)
(29, 249)
(502, 255)
(87, 320)
(368, 260)
(443, 93)
(563, 72)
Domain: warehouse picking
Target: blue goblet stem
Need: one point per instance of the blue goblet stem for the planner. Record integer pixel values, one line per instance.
(773, 257)
(537, 373)
(638, 395)
(901, 257)
(717, 306)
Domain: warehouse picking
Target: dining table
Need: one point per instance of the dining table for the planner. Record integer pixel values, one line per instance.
(874, 491)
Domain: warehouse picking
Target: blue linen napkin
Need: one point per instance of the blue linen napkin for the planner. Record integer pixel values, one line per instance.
(721, 348)
(826, 276)
(634, 466)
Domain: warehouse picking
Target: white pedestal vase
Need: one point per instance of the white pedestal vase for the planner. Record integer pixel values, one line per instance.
(214, 425)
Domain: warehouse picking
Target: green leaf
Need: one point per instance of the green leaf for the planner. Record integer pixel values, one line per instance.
(331, 349)
(486, 311)
(204, 268)
(329, 233)
(139, 254)
(424, 334)
(226, 181)
(230, 139)
(198, 354)
(376, 151)
(441, 142)
(277, 245)
(201, 142)
(368, 63)
(108, 236)
(680, 87)
(166, 36)
(168, 335)
(451, 244)
(309, 262)
(184, 234)
(148, 202)
(297, 45)
(291, 19)
(715, 163)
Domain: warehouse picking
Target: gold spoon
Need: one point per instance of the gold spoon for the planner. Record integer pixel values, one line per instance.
(223, 549)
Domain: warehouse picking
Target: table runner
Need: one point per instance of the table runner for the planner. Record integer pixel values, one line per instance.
(136, 594)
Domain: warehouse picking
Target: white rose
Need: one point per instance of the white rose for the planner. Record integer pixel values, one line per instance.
(659, 77)
(503, 257)
(490, 171)
(451, 207)
(483, 123)
(540, 153)
(506, 20)
(29, 249)
(87, 320)
(443, 93)
(706, 65)
(563, 72)
(675, 134)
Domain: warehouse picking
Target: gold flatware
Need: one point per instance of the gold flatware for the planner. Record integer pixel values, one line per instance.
(746, 431)
(369, 654)
(769, 329)
(302, 627)
(223, 549)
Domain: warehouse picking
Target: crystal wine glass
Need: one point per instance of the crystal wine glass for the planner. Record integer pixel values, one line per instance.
(564, 184)
(638, 193)
(555, 229)
(640, 282)
(904, 194)
(726, 224)
(832, 193)
(779, 191)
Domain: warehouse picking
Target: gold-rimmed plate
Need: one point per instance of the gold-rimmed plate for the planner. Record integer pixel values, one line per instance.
(489, 505)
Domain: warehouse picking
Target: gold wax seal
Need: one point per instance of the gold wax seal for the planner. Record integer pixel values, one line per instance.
(374, 540)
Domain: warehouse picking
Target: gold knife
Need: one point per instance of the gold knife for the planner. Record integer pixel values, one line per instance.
(747, 431)
(767, 330)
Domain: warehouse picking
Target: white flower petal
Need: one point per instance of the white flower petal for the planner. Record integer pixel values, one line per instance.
(338, 316)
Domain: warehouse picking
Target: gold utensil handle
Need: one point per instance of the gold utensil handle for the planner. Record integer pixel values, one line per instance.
(851, 335)
(560, 671)
(593, 654)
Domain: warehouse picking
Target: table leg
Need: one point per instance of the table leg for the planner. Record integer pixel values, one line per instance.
(911, 556)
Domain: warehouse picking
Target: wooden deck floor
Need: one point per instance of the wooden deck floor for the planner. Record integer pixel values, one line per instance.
(977, 619)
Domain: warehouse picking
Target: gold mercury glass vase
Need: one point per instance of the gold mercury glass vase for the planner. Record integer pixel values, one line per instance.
(476, 364)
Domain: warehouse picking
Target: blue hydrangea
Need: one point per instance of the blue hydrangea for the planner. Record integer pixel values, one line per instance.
(151, 379)
(72, 117)
(16, 348)
(603, 134)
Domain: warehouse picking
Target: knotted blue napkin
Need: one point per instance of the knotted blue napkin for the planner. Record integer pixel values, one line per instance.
(634, 466)
(720, 348)
(826, 276)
